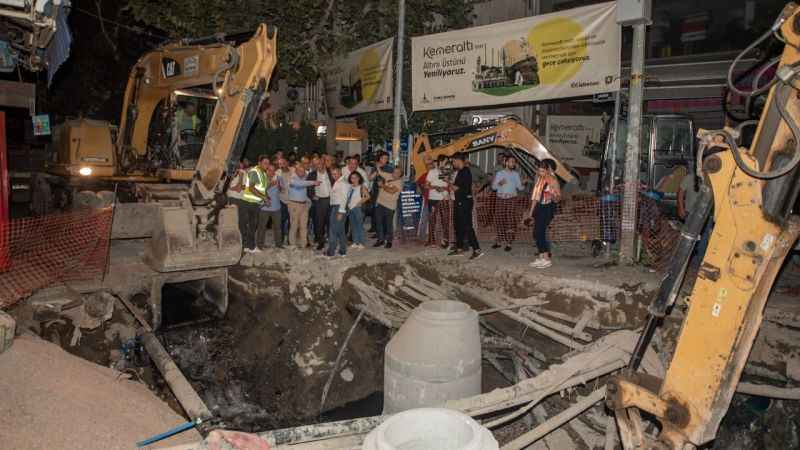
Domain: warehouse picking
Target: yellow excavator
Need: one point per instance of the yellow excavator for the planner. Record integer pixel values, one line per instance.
(754, 192)
(506, 133)
(187, 112)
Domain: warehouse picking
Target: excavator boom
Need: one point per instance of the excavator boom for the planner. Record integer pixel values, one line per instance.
(754, 229)
(508, 133)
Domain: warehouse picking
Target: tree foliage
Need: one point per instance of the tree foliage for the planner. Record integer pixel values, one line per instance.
(312, 32)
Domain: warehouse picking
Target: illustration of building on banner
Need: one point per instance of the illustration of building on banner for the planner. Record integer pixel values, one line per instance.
(515, 68)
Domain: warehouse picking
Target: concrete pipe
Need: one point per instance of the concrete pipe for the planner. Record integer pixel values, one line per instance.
(433, 358)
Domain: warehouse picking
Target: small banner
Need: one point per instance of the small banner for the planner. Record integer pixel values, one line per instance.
(41, 125)
(570, 53)
(576, 139)
(361, 81)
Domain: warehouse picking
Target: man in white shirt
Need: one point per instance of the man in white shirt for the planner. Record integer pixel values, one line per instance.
(439, 200)
(352, 166)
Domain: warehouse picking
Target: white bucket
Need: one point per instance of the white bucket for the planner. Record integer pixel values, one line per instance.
(430, 429)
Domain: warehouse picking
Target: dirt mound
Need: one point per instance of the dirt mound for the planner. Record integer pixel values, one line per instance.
(54, 400)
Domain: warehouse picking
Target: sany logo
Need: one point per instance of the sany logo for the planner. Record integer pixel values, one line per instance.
(483, 141)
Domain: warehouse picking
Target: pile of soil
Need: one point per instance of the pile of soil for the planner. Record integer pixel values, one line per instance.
(53, 400)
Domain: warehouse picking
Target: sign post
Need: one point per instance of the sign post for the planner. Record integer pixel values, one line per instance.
(637, 15)
(398, 76)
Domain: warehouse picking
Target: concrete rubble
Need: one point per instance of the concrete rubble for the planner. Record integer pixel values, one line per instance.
(304, 338)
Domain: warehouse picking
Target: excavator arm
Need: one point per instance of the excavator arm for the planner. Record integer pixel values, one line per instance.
(508, 133)
(196, 228)
(753, 194)
(238, 76)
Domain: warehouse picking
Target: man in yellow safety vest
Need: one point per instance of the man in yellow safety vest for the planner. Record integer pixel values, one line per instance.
(253, 196)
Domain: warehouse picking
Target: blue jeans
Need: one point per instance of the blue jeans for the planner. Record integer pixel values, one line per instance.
(284, 219)
(337, 237)
(356, 216)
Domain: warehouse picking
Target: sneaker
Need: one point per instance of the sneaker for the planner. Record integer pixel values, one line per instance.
(255, 250)
(388, 245)
(445, 244)
(496, 246)
(508, 248)
(378, 244)
(456, 252)
(535, 261)
(542, 263)
(476, 254)
(342, 255)
(248, 250)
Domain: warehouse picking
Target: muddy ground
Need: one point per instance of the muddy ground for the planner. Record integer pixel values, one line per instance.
(266, 363)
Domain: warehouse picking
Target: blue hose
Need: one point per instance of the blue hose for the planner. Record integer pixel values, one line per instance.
(179, 429)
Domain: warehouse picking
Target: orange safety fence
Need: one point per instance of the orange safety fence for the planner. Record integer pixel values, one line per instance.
(41, 251)
(576, 220)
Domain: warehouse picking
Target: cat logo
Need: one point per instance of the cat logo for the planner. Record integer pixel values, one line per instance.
(481, 141)
(170, 68)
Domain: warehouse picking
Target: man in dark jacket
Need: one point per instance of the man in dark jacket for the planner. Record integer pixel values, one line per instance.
(320, 196)
(462, 216)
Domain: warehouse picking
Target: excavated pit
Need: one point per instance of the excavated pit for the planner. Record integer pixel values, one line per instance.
(264, 365)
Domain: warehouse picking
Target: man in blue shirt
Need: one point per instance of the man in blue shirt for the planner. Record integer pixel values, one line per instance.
(507, 183)
(298, 207)
(270, 211)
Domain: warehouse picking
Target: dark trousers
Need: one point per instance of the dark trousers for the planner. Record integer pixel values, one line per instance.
(384, 223)
(264, 218)
(321, 214)
(248, 223)
(462, 216)
(284, 219)
(542, 216)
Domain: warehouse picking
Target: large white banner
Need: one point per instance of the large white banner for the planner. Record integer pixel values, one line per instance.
(569, 53)
(361, 81)
(576, 139)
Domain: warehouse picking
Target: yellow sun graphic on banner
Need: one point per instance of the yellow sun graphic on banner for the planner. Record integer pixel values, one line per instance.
(369, 68)
(559, 47)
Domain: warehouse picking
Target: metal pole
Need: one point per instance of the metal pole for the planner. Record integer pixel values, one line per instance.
(398, 79)
(631, 193)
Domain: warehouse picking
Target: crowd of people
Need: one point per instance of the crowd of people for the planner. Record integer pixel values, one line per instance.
(450, 185)
(323, 201)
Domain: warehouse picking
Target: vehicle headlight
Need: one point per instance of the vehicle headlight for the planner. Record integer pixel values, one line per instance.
(85, 171)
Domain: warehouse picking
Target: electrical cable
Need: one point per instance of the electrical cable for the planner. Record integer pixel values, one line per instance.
(131, 29)
(741, 55)
(781, 98)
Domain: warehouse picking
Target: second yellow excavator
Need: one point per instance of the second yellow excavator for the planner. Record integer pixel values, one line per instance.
(506, 133)
(187, 111)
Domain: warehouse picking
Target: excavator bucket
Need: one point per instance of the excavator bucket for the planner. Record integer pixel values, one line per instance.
(183, 239)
